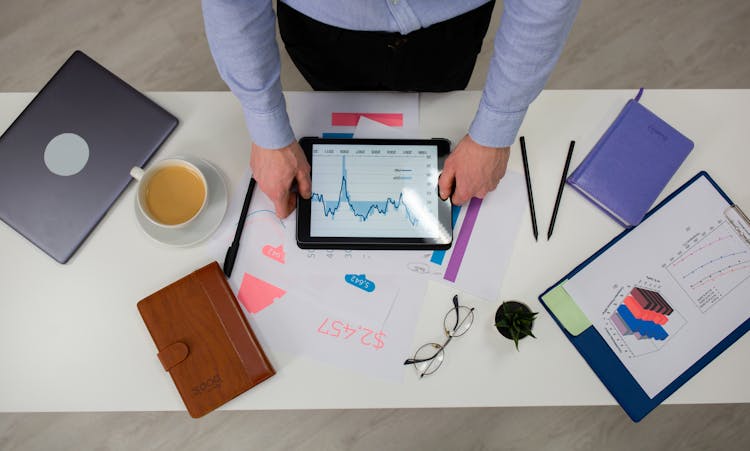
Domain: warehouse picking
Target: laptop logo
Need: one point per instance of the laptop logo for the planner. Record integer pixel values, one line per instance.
(66, 154)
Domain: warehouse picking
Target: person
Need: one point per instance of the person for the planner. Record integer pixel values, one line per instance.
(399, 45)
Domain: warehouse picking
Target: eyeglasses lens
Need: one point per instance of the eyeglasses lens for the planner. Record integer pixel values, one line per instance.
(428, 358)
(458, 321)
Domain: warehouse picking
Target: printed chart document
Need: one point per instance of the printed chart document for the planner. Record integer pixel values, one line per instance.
(666, 293)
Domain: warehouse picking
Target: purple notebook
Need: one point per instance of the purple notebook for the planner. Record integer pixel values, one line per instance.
(631, 164)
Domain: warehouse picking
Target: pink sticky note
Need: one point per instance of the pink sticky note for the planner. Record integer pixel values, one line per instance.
(256, 294)
(274, 253)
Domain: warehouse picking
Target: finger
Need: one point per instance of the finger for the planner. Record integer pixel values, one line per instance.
(460, 195)
(304, 184)
(281, 204)
(291, 204)
(446, 182)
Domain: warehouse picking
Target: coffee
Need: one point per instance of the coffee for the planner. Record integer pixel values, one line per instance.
(174, 194)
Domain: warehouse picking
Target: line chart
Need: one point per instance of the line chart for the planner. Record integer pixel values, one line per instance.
(362, 209)
(711, 265)
(362, 191)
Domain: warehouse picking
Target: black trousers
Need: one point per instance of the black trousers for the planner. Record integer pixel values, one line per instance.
(438, 58)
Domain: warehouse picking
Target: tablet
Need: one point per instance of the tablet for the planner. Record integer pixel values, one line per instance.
(374, 194)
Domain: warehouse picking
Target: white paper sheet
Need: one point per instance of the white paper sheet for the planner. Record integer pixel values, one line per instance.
(492, 239)
(375, 347)
(490, 246)
(690, 255)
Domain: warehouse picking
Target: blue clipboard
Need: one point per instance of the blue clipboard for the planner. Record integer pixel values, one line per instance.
(607, 366)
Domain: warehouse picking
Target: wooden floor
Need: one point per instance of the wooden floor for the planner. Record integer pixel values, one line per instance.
(160, 45)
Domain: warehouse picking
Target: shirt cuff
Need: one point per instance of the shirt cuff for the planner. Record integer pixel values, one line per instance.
(492, 128)
(270, 129)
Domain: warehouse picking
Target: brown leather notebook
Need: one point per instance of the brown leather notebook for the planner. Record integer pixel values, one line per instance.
(204, 340)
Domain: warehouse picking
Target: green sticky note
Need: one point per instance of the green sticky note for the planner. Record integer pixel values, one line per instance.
(566, 310)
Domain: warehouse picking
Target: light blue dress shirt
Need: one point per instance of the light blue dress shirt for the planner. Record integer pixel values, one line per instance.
(242, 38)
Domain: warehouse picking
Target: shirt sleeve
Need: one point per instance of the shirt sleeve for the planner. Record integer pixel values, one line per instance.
(242, 38)
(527, 46)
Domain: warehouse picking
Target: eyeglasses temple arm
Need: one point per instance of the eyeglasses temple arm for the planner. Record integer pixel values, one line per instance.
(455, 309)
(413, 361)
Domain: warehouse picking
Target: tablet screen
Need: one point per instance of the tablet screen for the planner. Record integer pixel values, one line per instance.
(372, 190)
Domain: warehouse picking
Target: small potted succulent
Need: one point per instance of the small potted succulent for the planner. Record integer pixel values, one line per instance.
(514, 320)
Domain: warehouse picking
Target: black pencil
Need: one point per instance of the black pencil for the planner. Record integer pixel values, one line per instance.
(528, 188)
(560, 189)
(232, 251)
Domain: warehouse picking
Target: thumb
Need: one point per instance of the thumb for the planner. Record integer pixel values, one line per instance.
(446, 182)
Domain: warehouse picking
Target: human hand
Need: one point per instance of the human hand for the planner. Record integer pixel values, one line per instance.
(275, 170)
(475, 170)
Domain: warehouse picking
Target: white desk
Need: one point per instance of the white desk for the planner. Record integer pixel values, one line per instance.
(71, 338)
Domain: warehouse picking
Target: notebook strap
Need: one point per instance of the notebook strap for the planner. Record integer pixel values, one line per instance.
(638, 96)
(173, 354)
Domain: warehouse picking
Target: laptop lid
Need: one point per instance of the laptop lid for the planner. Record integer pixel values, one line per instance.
(67, 157)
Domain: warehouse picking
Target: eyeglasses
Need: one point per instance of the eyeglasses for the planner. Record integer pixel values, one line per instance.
(429, 357)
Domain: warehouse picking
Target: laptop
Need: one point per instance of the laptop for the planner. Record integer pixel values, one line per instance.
(66, 159)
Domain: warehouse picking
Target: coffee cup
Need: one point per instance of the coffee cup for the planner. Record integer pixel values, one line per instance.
(171, 193)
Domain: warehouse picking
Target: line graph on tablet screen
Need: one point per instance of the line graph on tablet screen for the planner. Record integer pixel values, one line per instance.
(377, 192)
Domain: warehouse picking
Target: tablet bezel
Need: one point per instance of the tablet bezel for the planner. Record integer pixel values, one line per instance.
(305, 241)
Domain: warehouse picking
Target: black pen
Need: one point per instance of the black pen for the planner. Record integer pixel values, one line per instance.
(560, 189)
(528, 188)
(232, 251)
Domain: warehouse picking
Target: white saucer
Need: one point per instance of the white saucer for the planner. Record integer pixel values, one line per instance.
(202, 226)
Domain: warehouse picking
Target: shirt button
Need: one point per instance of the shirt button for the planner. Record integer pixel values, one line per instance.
(395, 2)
